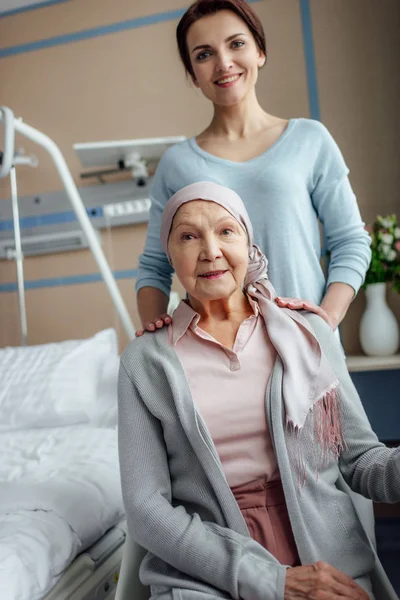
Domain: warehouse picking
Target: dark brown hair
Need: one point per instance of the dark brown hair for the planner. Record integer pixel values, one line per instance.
(202, 8)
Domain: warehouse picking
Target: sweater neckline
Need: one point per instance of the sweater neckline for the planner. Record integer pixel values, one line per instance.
(196, 148)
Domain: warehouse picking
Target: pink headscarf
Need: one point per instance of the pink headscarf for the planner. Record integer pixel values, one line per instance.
(308, 380)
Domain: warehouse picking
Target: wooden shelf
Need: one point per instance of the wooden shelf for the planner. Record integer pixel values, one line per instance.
(372, 363)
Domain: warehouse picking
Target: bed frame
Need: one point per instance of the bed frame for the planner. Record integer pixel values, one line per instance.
(93, 575)
(7, 168)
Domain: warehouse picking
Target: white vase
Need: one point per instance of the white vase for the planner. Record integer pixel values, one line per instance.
(379, 330)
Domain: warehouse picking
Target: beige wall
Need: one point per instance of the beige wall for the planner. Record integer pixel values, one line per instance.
(357, 58)
(131, 84)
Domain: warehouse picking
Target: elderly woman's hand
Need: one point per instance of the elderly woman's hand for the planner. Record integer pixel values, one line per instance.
(158, 323)
(298, 304)
(321, 581)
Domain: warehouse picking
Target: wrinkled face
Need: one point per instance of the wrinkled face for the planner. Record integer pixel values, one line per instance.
(224, 56)
(209, 251)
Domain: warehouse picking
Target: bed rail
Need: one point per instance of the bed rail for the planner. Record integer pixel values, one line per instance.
(12, 125)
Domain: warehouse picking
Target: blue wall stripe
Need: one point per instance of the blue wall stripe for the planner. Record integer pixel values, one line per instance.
(311, 70)
(87, 34)
(36, 284)
(95, 32)
(50, 219)
(22, 9)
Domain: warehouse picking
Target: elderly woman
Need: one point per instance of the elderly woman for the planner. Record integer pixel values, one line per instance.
(236, 424)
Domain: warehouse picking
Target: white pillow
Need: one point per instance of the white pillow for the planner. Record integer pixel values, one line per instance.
(53, 385)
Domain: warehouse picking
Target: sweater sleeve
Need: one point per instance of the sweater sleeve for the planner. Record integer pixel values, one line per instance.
(335, 203)
(367, 465)
(206, 551)
(154, 268)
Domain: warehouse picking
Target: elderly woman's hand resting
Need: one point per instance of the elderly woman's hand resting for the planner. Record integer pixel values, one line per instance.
(321, 581)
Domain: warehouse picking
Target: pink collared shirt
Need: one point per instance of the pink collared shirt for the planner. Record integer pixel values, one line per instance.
(229, 390)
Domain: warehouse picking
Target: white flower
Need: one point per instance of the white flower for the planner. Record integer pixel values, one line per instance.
(385, 249)
(387, 238)
(397, 233)
(391, 255)
(386, 223)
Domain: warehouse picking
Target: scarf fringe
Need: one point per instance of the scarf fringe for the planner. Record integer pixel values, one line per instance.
(325, 420)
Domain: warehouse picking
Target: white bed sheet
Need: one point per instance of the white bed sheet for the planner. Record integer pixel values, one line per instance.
(59, 493)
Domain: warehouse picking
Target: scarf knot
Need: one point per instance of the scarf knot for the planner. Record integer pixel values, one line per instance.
(258, 266)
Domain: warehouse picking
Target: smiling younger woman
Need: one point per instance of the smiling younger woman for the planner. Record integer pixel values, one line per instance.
(289, 173)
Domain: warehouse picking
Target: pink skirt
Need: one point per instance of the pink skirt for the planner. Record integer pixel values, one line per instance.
(262, 504)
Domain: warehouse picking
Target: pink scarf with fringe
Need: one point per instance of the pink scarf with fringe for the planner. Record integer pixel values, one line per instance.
(310, 388)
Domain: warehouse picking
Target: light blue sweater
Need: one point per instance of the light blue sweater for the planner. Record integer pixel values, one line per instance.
(298, 180)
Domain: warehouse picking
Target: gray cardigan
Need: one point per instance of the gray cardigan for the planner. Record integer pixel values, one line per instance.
(179, 505)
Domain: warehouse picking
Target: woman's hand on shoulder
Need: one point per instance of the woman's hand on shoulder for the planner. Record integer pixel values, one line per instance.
(298, 304)
(321, 581)
(158, 323)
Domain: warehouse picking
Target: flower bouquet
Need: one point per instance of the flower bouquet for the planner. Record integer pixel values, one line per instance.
(385, 247)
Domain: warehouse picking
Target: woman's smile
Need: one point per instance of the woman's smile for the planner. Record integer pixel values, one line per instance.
(228, 81)
(213, 274)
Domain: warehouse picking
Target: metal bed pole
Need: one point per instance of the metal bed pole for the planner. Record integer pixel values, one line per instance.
(19, 258)
(45, 142)
(7, 167)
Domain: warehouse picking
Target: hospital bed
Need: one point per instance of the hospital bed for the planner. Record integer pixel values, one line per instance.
(62, 526)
